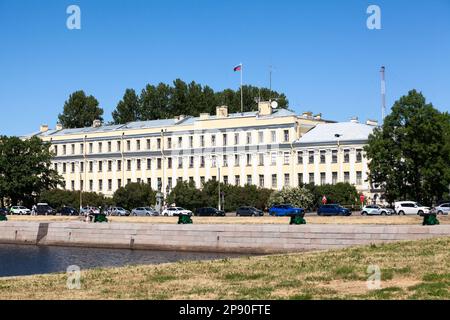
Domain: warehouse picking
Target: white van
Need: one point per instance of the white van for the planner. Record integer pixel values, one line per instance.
(410, 207)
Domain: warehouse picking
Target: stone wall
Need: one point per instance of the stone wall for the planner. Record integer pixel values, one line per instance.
(212, 238)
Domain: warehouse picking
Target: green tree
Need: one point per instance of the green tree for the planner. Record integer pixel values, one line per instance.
(25, 167)
(80, 111)
(186, 195)
(58, 198)
(300, 197)
(343, 193)
(155, 101)
(135, 195)
(128, 109)
(410, 154)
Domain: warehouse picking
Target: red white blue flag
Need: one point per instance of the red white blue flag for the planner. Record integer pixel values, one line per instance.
(238, 68)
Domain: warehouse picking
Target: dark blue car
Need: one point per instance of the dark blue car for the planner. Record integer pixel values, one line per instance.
(333, 210)
(283, 210)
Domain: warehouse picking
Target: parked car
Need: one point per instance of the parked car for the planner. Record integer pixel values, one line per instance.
(333, 210)
(410, 207)
(376, 210)
(44, 209)
(283, 210)
(19, 210)
(118, 211)
(209, 212)
(4, 211)
(88, 209)
(443, 208)
(176, 211)
(249, 211)
(68, 211)
(144, 211)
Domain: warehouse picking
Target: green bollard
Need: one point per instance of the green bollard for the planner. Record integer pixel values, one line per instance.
(297, 219)
(3, 218)
(430, 220)
(184, 219)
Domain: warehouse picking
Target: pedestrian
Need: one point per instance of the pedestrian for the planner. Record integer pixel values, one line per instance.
(33, 210)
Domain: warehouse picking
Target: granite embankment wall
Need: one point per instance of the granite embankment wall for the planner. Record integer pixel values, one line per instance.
(212, 238)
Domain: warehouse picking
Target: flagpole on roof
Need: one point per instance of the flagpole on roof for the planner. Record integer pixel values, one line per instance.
(242, 94)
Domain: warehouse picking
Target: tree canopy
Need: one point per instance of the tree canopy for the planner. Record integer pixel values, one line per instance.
(410, 154)
(165, 101)
(134, 195)
(25, 167)
(80, 111)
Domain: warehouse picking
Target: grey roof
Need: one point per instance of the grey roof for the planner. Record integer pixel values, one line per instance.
(348, 131)
(155, 123)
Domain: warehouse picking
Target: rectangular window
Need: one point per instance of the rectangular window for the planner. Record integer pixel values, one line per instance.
(91, 166)
(299, 157)
(311, 178)
(158, 163)
(225, 179)
(225, 139)
(191, 162)
(180, 142)
(249, 138)
(100, 166)
(149, 181)
(334, 156)
(55, 149)
(159, 185)
(91, 185)
(100, 185)
(119, 183)
(64, 167)
(81, 166)
(358, 155)
(202, 141)
(237, 180)
(91, 147)
(72, 185)
(273, 136)
(158, 143)
(139, 180)
(202, 181)
(213, 161)
(64, 149)
(287, 180)
(118, 146)
(109, 165)
(72, 149)
(261, 137)
(72, 167)
(311, 157)
(81, 148)
(334, 177)
(261, 181)
(128, 145)
(180, 162)
(249, 179)
(236, 138)
(81, 185)
(236, 160)
(100, 147)
(225, 160)
(274, 181)
(286, 158)
(322, 156)
(286, 135)
(128, 181)
(109, 146)
(191, 141)
(55, 167)
(346, 156)
(169, 163)
(346, 176)
(149, 164)
(300, 179)
(202, 161)
(138, 145)
(249, 159)
(273, 158)
(169, 182)
(261, 159)
(148, 144)
(128, 165)
(119, 165)
(169, 143)
(138, 164)
(322, 178)
(213, 140)
(109, 184)
(358, 178)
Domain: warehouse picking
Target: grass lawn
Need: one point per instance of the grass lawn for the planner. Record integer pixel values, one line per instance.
(355, 219)
(409, 270)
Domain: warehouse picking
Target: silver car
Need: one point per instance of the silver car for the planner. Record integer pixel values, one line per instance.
(443, 208)
(118, 211)
(144, 211)
(376, 210)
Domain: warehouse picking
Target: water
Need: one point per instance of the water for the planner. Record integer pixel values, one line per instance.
(16, 260)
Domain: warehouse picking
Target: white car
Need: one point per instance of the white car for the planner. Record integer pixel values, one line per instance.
(410, 207)
(176, 211)
(376, 210)
(443, 208)
(19, 210)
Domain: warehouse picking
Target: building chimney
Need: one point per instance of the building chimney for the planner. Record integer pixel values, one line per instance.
(354, 120)
(372, 123)
(318, 116)
(204, 116)
(96, 123)
(59, 126)
(43, 128)
(264, 108)
(222, 112)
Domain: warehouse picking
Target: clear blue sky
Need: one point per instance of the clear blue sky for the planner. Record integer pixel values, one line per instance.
(325, 58)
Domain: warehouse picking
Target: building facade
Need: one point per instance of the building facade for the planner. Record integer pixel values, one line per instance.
(270, 148)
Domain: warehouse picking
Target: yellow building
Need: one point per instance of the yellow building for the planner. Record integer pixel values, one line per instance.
(270, 148)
